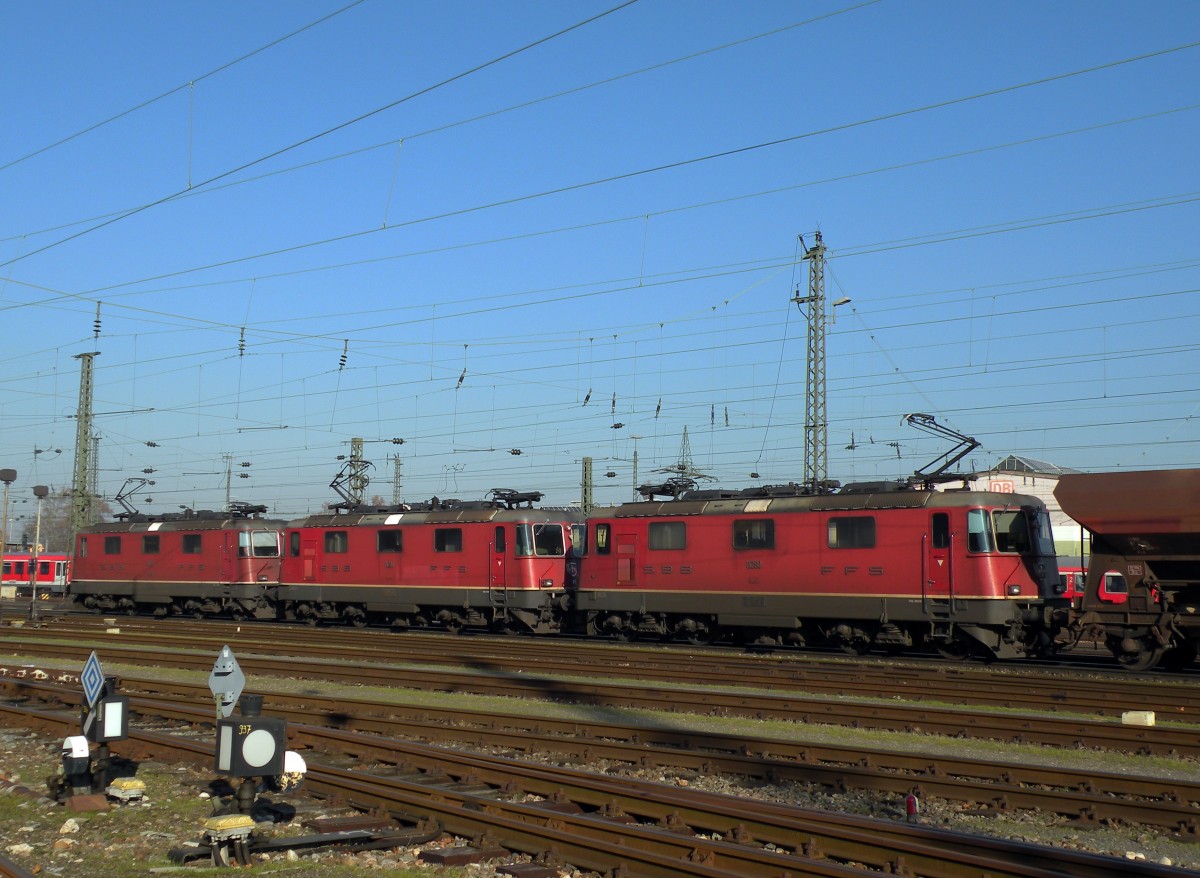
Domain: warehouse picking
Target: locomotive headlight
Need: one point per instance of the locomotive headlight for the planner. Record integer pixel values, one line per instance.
(547, 583)
(1014, 589)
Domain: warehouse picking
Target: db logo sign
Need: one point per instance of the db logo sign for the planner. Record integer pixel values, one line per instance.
(1002, 486)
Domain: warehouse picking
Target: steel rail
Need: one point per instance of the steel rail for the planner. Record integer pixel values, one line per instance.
(483, 679)
(1089, 796)
(1014, 687)
(686, 821)
(9, 869)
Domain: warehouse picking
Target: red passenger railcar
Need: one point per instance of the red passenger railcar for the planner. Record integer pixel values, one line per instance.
(53, 572)
(497, 564)
(192, 563)
(872, 566)
(1113, 588)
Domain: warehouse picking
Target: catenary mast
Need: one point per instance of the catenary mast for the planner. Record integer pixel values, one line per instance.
(84, 477)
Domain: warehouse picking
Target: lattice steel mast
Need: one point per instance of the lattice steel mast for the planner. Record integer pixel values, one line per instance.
(84, 477)
(816, 427)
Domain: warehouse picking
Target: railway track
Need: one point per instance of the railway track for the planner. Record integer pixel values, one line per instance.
(622, 826)
(1108, 693)
(1089, 797)
(481, 676)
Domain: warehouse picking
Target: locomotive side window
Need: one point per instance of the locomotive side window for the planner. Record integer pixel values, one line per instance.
(524, 547)
(500, 543)
(852, 533)
(1012, 531)
(979, 531)
(603, 545)
(758, 534)
(112, 545)
(82, 551)
(941, 530)
(667, 535)
(150, 544)
(337, 542)
(191, 544)
(579, 539)
(390, 541)
(447, 539)
(294, 544)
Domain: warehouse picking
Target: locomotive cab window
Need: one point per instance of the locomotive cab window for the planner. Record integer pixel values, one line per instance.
(579, 539)
(603, 545)
(112, 545)
(979, 531)
(1012, 531)
(548, 540)
(264, 544)
(191, 544)
(757, 534)
(447, 539)
(257, 544)
(337, 542)
(150, 544)
(667, 535)
(1042, 532)
(852, 533)
(390, 541)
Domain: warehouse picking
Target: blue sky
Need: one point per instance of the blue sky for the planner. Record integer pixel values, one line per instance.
(592, 223)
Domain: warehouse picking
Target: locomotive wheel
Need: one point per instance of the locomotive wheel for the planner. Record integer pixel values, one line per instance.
(857, 646)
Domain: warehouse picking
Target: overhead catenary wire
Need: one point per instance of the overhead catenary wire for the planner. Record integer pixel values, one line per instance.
(325, 133)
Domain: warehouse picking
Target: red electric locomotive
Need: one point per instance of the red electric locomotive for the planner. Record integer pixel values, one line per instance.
(872, 566)
(498, 564)
(190, 563)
